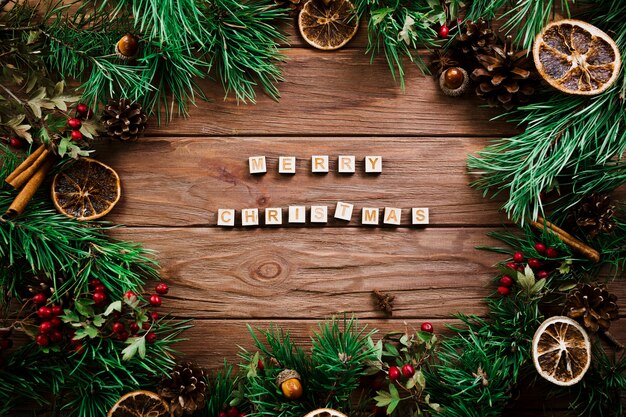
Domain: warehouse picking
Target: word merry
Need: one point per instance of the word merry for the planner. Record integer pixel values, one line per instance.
(273, 216)
(346, 164)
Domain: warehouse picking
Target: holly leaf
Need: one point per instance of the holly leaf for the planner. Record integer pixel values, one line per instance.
(84, 307)
(91, 331)
(89, 129)
(135, 345)
(383, 399)
(20, 130)
(69, 317)
(98, 320)
(114, 306)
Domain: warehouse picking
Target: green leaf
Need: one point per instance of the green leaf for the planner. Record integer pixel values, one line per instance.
(84, 307)
(114, 306)
(98, 320)
(91, 331)
(69, 317)
(383, 398)
(135, 344)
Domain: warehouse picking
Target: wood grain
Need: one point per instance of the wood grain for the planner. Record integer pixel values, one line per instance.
(340, 94)
(184, 181)
(312, 273)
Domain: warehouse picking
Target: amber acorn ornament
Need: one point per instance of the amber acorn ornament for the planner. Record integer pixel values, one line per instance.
(127, 47)
(290, 384)
(454, 81)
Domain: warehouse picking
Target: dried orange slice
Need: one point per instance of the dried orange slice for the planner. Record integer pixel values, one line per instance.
(328, 24)
(140, 404)
(561, 351)
(325, 412)
(87, 190)
(576, 57)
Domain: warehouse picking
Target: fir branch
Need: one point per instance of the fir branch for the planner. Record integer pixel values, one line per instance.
(399, 29)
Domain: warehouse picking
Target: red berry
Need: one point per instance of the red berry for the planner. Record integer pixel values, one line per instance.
(506, 281)
(155, 300)
(222, 414)
(511, 265)
(552, 253)
(408, 371)
(16, 143)
(79, 349)
(118, 327)
(394, 373)
(146, 326)
(57, 310)
(129, 295)
(42, 340)
(134, 328)
(99, 298)
(76, 135)
(44, 312)
(123, 336)
(242, 414)
(520, 268)
(504, 290)
(40, 298)
(427, 327)
(74, 123)
(162, 288)
(543, 274)
(154, 315)
(151, 337)
(518, 257)
(540, 248)
(6, 344)
(100, 288)
(94, 283)
(55, 322)
(45, 327)
(534, 263)
(82, 109)
(56, 336)
(260, 365)
(233, 412)
(443, 31)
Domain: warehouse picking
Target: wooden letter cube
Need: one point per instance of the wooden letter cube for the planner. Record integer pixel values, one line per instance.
(346, 164)
(419, 216)
(369, 216)
(258, 165)
(297, 214)
(373, 164)
(226, 217)
(250, 217)
(319, 214)
(343, 211)
(287, 164)
(319, 163)
(392, 215)
(273, 216)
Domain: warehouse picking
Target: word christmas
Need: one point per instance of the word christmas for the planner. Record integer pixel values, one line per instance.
(346, 164)
(319, 214)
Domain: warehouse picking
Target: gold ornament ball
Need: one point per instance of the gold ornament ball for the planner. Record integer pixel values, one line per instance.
(453, 78)
(127, 47)
(289, 383)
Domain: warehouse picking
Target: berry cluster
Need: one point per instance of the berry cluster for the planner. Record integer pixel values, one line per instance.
(231, 412)
(75, 123)
(542, 265)
(51, 329)
(124, 327)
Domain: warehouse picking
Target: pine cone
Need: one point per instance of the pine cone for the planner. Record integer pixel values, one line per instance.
(185, 389)
(593, 215)
(476, 39)
(505, 78)
(124, 120)
(293, 5)
(593, 306)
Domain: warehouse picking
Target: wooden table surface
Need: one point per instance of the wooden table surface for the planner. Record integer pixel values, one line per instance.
(176, 179)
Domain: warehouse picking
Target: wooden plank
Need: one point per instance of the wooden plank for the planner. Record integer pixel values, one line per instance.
(267, 273)
(184, 181)
(340, 93)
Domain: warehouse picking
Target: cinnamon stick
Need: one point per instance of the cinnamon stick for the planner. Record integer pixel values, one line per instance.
(585, 250)
(27, 169)
(29, 190)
